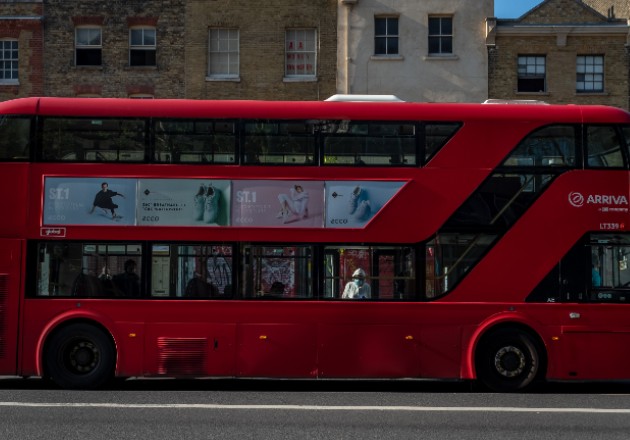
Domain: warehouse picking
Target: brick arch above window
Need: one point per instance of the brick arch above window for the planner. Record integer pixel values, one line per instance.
(88, 89)
(84, 20)
(141, 89)
(142, 21)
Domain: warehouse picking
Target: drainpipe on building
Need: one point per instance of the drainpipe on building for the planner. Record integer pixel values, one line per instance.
(349, 4)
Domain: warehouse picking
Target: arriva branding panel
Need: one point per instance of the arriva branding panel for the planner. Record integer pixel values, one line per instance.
(604, 202)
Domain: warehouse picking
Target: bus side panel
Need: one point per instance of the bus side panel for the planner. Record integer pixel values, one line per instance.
(10, 263)
(14, 199)
(189, 348)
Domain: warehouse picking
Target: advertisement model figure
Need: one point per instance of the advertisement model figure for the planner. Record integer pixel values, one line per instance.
(103, 200)
(295, 203)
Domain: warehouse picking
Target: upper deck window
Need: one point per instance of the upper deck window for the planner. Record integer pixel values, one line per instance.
(603, 146)
(437, 135)
(552, 146)
(626, 134)
(195, 141)
(93, 140)
(15, 138)
(278, 143)
(369, 143)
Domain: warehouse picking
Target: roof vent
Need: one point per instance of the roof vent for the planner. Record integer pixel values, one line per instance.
(364, 98)
(515, 101)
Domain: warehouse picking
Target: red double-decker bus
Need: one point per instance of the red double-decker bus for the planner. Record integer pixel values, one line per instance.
(313, 240)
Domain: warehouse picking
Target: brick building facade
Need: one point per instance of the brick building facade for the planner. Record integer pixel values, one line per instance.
(611, 8)
(278, 49)
(562, 51)
(21, 40)
(88, 48)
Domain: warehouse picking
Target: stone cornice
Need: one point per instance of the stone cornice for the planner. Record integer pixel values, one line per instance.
(560, 31)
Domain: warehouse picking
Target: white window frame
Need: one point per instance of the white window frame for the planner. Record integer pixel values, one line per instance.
(81, 44)
(224, 54)
(589, 74)
(9, 61)
(148, 37)
(300, 50)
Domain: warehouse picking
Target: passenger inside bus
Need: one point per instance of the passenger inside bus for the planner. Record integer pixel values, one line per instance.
(357, 288)
(198, 287)
(128, 282)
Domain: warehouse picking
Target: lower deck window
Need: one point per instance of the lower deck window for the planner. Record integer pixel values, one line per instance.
(223, 271)
(89, 269)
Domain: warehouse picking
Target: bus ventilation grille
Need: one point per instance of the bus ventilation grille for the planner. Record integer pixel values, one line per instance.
(4, 298)
(182, 356)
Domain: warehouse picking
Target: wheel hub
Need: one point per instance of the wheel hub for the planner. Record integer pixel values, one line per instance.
(509, 361)
(83, 357)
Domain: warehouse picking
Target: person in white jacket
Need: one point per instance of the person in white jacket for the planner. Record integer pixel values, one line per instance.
(357, 288)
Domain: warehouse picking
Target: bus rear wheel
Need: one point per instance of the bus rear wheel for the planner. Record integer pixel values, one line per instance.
(79, 356)
(508, 360)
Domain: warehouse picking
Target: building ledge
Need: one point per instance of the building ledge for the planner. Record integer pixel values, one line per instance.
(295, 79)
(449, 57)
(387, 58)
(223, 78)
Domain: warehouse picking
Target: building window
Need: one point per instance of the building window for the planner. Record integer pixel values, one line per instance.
(590, 74)
(89, 46)
(531, 73)
(142, 47)
(440, 35)
(223, 59)
(385, 35)
(8, 61)
(301, 53)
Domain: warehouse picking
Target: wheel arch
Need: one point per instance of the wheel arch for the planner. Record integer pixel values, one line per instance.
(514, 322)
(65, 321)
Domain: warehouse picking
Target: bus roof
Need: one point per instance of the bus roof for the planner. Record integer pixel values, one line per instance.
(294, 110)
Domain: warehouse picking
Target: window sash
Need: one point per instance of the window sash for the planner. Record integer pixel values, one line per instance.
(88, 46)
(590, 74)
(88, 37)
(532, 73)
(440, 35)
(386, 37)
(301, 53)
(9, 55)
(223, 53)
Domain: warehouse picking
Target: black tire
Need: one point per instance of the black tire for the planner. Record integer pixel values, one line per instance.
(508, 360)
(79, 356)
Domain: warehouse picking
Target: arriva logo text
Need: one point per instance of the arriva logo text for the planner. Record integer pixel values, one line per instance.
(578, 200)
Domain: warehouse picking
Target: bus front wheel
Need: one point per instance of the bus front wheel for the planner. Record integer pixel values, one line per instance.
(508, 360)
(79, 356)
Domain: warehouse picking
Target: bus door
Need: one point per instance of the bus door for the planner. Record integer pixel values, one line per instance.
(10, 264)
(595, 327)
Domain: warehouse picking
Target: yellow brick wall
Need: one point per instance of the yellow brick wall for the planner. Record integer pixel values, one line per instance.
(262, 41)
